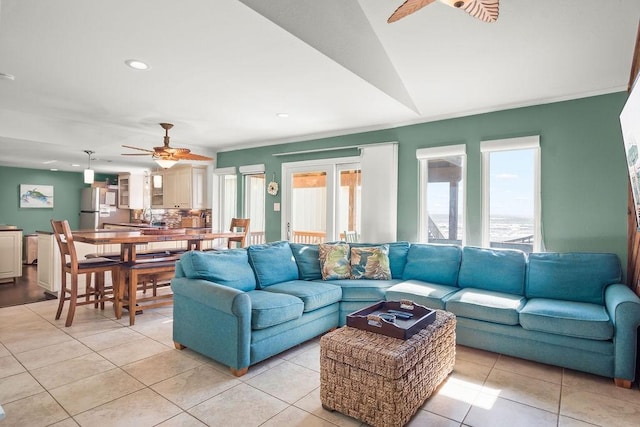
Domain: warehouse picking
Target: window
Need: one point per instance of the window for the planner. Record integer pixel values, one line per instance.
(254, 201)
(226, 195)
(320, 199)
(511, 194)
(442, 188)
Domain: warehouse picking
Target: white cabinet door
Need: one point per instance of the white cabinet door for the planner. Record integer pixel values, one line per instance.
(130, 191)
(10, 255)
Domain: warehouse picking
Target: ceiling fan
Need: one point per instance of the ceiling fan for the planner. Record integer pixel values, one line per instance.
(485, 10)
(167, 156)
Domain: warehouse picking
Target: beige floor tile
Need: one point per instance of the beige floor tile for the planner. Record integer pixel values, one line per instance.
(294, 417)
(94, 391)
(600, 385)
(224, 409)
(311, 403)
(258, 368)
(142, 408)
(475, 355)
(69, 422)
(9, 365)
(34, 336)
(490, 411)
(45, 356)
(523, 389)
(182, 420)
(4, 351)
(287, 381)
(470, 373)
(83, 328)
(309, 358)
(571, 422)
(160, 366)
(160, 330)
(424, 418)
(33, 411)
(452, 399)
(133, 351)
(17, 387)
(540, 371)
(112, 338)
(598, 409)
(195, 386)
(68, 371)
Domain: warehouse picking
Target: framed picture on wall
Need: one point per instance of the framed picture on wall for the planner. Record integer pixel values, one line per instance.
(630, 124)
(36, 196)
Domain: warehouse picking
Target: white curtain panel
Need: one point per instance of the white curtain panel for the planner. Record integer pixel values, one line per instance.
(379, 164)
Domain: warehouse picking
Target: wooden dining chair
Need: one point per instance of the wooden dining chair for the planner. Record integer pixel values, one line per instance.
(351, 236)
(239, 225)
(74, 267)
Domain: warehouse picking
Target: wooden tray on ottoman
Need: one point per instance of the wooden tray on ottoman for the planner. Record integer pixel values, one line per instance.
(372, 318)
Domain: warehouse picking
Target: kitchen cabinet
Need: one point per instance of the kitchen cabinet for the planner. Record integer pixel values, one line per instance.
(49, 268)
(181, 187)
(130, 191)
(10, 254)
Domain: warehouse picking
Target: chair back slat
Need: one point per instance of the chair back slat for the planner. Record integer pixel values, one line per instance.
(239, 225)
(64, 238)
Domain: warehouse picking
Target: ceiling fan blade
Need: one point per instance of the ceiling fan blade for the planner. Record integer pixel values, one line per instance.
(407, 8)
(134, 154)
(191, 156)
(138, 148)
(485, 10)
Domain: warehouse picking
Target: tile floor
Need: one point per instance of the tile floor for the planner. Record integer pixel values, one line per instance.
(101, 372)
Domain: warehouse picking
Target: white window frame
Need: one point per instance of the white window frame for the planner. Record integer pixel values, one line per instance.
(247, 171)
(219, 195)
(424, 155)
(512, 144)
(331, 166)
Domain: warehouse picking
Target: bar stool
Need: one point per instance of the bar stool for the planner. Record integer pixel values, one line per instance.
(74, 267)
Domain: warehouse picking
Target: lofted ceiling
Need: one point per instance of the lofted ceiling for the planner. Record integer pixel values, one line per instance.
(221, 71)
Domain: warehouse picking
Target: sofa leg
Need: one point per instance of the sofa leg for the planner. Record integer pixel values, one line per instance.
(239, 372)
(622, 383)
(179, 346)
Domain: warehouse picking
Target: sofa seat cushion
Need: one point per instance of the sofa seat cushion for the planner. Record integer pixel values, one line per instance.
(570, 318)
(485, 305)
(363, 289)
(229, 268)
(314, 295)
(270, 309)
(272, 263)
(424, 293)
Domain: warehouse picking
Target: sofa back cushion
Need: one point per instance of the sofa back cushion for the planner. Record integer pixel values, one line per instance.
(499, 270)
(397, 255)
(308, 259)
(580, 277)
(438, 264)
(272, 263)
(229, 268)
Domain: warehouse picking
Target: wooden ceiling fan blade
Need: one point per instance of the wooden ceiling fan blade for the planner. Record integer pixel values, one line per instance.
(137, 148)
(191, 156)
(485, 10)
(407, 8)
(135, 154)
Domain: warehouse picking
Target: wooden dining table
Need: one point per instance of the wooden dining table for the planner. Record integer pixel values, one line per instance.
(128, 239)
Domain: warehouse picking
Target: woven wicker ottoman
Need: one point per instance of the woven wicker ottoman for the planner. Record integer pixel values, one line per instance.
(383, 380)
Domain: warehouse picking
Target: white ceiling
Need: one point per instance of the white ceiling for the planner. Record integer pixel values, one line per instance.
(221, 70)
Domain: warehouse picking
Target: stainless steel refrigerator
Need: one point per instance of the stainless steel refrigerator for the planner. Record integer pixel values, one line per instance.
(98, 205)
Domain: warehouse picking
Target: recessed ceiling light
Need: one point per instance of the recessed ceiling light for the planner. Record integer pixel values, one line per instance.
(48, 162)
(136, 64)
(53, 170)
(282, 115)
(75, 165)
(7, 76)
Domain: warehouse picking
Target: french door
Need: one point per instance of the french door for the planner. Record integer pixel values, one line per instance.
(320, 199)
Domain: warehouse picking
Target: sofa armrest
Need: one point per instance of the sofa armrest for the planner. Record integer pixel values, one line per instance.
(212, 319)
(623, 307)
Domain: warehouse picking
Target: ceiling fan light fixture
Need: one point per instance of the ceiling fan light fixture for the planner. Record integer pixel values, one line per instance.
(165, 163)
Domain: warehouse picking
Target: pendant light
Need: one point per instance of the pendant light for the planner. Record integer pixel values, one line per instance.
(88, 172)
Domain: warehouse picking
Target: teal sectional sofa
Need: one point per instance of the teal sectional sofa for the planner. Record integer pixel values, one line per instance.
(240, 307)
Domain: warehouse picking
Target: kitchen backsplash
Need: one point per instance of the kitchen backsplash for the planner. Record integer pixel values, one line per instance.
(174, 218)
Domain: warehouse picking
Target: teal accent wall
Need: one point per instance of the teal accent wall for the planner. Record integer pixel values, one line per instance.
(584, 176)
(66, 197)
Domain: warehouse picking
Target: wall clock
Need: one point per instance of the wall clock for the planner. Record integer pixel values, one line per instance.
(272, 188)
